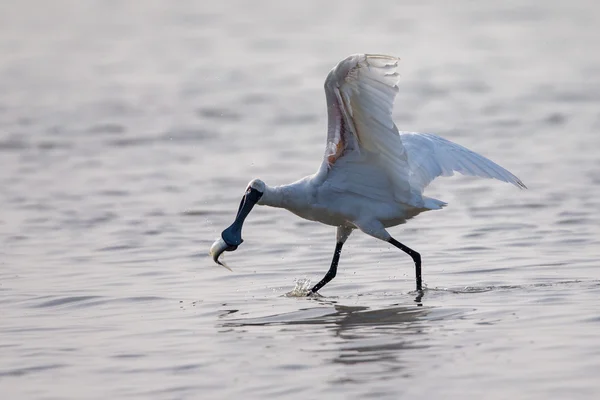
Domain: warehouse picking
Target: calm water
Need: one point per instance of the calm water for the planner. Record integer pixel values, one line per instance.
(129, 129)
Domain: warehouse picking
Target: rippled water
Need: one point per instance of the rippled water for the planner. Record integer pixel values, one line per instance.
(129, 129)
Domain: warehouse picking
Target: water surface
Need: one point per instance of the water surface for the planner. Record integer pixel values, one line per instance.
(128, 131)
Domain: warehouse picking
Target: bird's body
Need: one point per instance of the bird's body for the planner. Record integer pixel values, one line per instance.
(372, 176)
(319, 201)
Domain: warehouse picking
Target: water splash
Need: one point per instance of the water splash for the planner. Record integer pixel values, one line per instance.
(301, 289)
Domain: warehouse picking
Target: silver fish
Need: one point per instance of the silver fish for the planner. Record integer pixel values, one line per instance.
(218, 248)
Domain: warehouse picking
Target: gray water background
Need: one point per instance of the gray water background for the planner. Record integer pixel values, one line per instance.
(129, 129)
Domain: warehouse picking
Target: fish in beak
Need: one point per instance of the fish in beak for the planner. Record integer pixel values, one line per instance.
(231, 237)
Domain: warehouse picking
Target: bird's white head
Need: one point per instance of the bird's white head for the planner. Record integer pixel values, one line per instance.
(257, 185)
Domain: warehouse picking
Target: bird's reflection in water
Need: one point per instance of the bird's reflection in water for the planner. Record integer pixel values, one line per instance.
(380, 335)
(360, 334)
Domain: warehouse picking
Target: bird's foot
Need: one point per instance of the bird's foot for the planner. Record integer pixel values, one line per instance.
(419, 297)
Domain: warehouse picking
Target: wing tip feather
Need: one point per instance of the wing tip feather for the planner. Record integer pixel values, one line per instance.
(518, 183)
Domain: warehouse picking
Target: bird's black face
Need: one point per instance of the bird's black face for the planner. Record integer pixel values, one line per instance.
(233, 235)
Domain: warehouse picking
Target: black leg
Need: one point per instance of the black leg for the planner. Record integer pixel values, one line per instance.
(415, 256)
(332, 270)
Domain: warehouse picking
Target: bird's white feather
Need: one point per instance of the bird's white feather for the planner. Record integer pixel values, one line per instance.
(430, 156)
(360, 94)
(360, 175)
(363, 141)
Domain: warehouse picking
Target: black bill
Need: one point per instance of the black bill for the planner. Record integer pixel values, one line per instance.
(231, 237)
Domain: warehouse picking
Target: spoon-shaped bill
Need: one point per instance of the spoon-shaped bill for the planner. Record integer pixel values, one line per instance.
(231, 237)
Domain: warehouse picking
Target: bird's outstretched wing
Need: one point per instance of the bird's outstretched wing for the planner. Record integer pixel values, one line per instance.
(360, 94)
(430, 156)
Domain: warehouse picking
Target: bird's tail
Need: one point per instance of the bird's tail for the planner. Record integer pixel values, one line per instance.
(433, 204)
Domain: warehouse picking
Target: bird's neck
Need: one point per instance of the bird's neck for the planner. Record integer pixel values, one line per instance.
(289, 196)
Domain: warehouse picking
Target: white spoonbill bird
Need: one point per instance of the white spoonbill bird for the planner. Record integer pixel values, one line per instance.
(372, 177)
